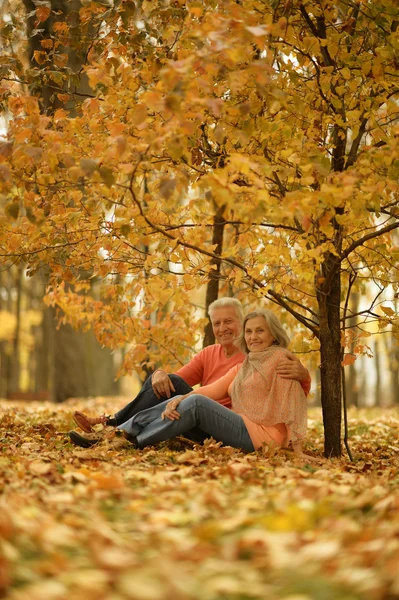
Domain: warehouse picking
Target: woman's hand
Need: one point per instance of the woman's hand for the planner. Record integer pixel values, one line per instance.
(170, 411)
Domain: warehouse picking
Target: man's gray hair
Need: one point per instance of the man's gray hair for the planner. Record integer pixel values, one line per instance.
(274, 325)
(227, 303)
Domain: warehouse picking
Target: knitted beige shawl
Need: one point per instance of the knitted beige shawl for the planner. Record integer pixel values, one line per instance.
(265, 398)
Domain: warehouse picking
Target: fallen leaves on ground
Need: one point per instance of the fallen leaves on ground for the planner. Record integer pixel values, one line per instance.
(194, 522)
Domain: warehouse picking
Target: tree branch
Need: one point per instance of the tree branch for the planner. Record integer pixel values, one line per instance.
(318, 32)
(368, 237)
(256, 282)
(281, 302)
(352, 156)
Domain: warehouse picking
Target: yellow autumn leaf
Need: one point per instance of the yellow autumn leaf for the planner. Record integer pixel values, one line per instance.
(346, 73)
(388, 310)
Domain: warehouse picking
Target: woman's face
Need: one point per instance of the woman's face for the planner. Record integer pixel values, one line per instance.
(257, 334)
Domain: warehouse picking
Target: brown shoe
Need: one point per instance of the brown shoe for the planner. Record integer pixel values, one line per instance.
(83, 441)
(86, 423)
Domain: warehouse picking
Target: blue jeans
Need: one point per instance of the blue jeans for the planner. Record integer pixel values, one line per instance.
(215, 420)
(146, 398)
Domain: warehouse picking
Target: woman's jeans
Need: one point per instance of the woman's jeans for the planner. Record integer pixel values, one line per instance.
(212, 418)
(146, 398)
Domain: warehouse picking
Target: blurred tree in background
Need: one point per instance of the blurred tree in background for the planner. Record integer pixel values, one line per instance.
(37, 357)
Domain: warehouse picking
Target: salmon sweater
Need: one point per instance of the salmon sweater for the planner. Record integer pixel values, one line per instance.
(271, 433)
(211, 364)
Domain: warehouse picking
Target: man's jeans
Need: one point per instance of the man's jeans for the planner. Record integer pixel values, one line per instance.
(146, 398)
(212, 418)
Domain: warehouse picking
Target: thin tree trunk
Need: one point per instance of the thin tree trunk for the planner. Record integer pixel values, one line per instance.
(15, 363)
(212, 289)
(394, 368)
(377, 357)
(330, 368)
(3, 344)
(352, 388)
(329, 302)
(45, 354)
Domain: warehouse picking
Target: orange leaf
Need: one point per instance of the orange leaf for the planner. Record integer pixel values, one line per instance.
(63, 97)
(42, 14)
(60, 60)
(61, 27)
(40, 57)
(47, 43)
(348, 360)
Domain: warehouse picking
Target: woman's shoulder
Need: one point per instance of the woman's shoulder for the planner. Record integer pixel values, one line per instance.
(278, 353)
(282, 350)
(272, 354)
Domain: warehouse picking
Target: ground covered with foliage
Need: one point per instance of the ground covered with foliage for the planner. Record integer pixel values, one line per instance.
(194, 523)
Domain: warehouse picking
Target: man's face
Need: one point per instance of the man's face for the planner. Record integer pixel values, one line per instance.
(226, 325)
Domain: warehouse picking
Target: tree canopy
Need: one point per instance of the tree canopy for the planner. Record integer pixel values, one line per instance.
(279, 117)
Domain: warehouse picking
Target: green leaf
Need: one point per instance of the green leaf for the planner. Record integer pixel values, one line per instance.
(125, 229)
(107, 176)
(88, 166)
(12, 210)
(57, 77)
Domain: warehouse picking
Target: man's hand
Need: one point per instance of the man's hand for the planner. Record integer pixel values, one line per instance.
(162, 385)
(292, 368)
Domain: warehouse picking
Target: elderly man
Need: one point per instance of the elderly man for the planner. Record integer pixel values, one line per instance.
(207, 366)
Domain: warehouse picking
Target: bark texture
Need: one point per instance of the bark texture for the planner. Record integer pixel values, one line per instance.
(330, 354)
(212, 290)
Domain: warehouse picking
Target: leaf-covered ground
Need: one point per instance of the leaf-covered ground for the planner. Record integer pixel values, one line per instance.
(194, 523)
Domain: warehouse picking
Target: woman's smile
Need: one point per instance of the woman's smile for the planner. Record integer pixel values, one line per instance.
(257, 335)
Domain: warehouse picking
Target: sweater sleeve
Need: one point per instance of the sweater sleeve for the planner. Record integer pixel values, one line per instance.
(219, 389)
(193, 372)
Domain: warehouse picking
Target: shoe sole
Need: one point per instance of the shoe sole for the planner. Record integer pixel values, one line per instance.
(79, 440)
(83, 424)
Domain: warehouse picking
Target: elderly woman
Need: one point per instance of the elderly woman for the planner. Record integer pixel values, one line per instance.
(266, 409)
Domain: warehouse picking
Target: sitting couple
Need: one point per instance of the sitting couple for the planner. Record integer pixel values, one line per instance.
(253, 374)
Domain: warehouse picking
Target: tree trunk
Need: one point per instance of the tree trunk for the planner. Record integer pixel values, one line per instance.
(378, 378)
(81, 368)
(352, 387)
(45, 379)
(212, 289)
(61, 11)
(15, 364)
(71, 363)
(330, 354)
(3, 343)
(394, 368)
(329, 303)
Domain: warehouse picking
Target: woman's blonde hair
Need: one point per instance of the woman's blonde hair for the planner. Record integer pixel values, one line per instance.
(274, 325)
